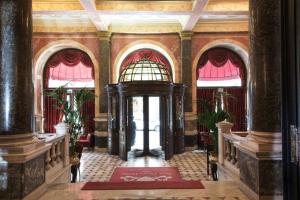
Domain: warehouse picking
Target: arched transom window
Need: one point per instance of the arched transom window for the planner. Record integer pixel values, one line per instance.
(145, 65)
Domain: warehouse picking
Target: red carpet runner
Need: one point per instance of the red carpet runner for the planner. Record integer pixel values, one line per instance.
(131, 178)
(128, 174)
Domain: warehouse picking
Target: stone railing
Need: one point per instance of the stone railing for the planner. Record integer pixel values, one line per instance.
(57, 157)
(228, 157)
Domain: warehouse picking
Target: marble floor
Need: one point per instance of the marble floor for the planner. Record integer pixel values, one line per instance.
(224, 190)
(99, 167)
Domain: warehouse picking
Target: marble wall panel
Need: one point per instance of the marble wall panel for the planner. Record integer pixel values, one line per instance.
(18, 180)
(101, 142)
(264, 177)
(101, 126)
(190, 125)
(34, 174)
(190, 140)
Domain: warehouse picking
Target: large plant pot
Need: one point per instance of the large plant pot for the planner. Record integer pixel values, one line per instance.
(75, 164)
(74, 171)
(61, 128)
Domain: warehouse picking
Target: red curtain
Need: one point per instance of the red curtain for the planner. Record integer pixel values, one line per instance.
(148, 54)
(69, 64)
(223, 64)
(51, 114)
(237, 108)
(220, 64)
(88, 112)
(208, 95)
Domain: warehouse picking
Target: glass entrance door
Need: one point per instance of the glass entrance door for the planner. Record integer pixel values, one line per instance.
(144, 125)
(137, 128)
(155, 139)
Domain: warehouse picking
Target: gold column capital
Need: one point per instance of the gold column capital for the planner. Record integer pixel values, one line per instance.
(104, 35)
(186, 35)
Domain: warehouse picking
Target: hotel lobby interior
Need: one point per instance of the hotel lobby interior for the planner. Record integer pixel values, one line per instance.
(162, 99)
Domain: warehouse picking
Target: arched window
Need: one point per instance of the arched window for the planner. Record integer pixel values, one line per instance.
(222, 69)
(145, 70)
(73, 69)
(147, 58)
(70, 67)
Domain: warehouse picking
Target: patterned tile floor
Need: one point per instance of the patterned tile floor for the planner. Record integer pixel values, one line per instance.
(97, 166)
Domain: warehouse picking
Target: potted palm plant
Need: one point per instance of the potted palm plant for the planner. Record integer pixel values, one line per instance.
(212, 114)
(71, 115)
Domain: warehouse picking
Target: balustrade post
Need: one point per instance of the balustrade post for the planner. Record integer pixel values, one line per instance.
(228, 151)
(233, 151)
(48, 159)
(53, 155)
(237, 164)
(58, 152)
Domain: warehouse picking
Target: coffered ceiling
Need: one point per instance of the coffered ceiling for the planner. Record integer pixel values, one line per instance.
(139, 16)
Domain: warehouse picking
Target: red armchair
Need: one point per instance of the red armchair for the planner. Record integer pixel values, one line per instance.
(86, 140)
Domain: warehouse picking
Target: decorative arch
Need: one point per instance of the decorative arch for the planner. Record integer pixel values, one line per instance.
(145, 44)
(39, 63)
(232, 45)
(237, 48)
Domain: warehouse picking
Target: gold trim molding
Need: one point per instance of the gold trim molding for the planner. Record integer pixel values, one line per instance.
(225, 26)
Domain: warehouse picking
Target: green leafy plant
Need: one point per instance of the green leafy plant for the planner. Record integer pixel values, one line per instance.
(211, 114)
(71, 112)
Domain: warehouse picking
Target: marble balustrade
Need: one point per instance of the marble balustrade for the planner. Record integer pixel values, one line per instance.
(229, 154)
(57, 157)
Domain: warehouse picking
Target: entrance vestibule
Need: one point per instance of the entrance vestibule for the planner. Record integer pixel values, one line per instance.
(145, 104)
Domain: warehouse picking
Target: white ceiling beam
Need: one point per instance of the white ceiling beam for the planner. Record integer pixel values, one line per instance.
(194, 17)
(90, 8)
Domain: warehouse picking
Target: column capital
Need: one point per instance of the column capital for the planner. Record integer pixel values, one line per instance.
(186, 35)
(104, 35)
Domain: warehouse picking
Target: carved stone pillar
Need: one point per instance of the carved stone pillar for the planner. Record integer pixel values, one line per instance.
(186, 69)
(22, 156)
(260, 155)
(104, 63)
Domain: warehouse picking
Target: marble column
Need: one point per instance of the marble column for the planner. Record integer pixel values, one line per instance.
(22, 167)
(186, 67)
(104, 62)
(186, 70)
(261, 159)
(16, 87)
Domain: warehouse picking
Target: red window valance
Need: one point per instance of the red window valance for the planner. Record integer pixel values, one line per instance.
(147, 54)
(219, 64)
(69, 65)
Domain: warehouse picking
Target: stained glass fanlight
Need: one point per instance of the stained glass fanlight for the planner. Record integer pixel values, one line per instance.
(145, 70)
